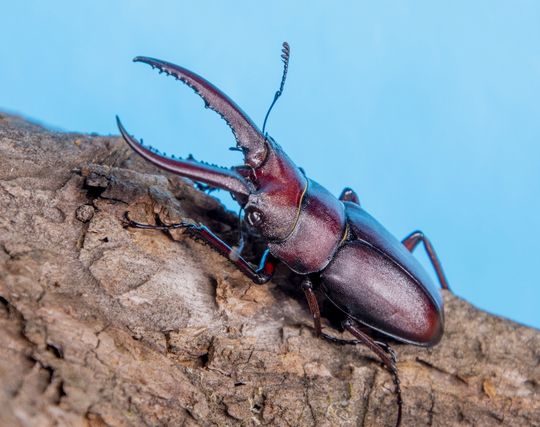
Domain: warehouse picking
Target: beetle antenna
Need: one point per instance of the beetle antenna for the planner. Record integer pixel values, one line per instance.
(285, 54)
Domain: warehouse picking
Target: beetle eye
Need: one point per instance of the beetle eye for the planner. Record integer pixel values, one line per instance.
(254, 217)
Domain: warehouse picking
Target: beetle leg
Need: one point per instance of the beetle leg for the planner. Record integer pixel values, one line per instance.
(349, 195)
(261, 274)
(412, 240)
(385, 353)
(307, 287)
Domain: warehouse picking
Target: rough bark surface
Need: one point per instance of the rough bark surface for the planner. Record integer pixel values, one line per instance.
(106, 326)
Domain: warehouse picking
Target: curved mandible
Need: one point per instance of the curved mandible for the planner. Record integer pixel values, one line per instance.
(248, 136)
(215, 176)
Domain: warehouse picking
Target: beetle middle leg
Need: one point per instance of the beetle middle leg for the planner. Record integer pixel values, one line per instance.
(261, 274)
(412, 240)
(307, 287)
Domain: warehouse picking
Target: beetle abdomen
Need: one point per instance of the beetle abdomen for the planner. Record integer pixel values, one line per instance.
(366, 228)
(370, 287)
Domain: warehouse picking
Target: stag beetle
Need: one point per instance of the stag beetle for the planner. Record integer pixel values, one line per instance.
(332, 243)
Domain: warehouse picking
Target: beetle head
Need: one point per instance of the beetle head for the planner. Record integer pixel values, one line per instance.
(269, 186)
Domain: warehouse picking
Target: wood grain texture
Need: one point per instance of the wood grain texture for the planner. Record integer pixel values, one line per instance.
(106, 326)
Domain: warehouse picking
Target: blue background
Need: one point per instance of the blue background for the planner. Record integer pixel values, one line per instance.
(430, 112)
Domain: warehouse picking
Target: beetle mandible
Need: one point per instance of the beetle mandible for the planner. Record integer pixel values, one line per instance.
(334, 244)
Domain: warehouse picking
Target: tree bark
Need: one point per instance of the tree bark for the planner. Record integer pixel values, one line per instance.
(107, 326)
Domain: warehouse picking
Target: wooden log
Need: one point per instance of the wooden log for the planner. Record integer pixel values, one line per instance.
(106, 326)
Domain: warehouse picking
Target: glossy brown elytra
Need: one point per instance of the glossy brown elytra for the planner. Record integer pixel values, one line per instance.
(332, 243)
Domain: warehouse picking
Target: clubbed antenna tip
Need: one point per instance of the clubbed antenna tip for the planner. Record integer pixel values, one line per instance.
(285, 55)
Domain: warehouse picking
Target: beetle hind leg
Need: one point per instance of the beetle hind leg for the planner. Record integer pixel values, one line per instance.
(385, 353)
(412, 241)
(383, 350)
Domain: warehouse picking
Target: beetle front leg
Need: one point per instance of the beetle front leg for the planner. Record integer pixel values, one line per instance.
(260, 275)
(412, 240)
